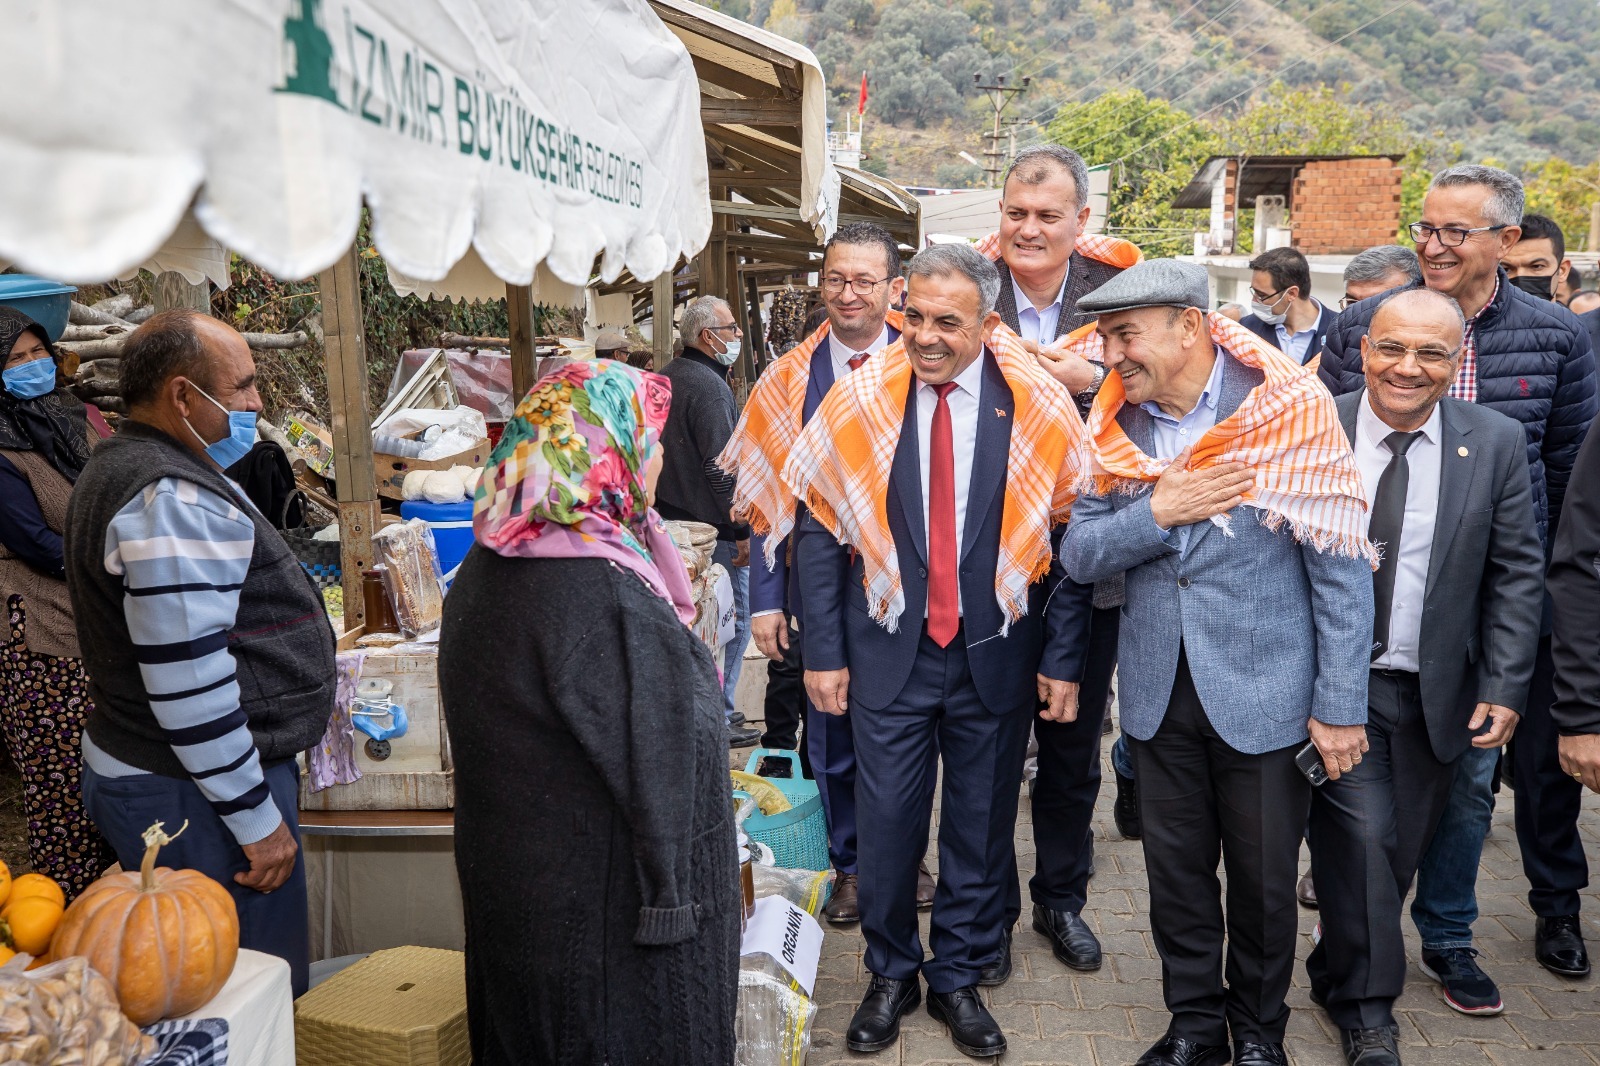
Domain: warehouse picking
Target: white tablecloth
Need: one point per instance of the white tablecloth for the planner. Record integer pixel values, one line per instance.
(257, 1006)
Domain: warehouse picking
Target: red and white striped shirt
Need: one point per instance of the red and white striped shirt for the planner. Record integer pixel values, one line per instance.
(1465, 387)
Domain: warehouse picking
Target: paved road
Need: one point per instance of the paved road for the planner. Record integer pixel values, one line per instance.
(1054, 1016)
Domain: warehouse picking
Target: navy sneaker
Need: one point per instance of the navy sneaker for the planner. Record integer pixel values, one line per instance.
(1466, 987)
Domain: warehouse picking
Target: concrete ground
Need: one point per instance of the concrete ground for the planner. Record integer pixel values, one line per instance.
(1052, 1015)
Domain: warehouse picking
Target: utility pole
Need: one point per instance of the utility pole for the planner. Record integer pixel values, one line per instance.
(1000, 97)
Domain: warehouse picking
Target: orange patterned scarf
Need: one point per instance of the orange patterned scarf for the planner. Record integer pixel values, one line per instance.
(841, 467)
(1286, 431)
(1113, 251)
(766, 434)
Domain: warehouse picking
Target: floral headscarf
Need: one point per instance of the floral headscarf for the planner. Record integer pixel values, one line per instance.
(567, 479)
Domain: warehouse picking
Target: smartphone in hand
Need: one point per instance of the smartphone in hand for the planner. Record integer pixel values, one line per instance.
(1309, 760)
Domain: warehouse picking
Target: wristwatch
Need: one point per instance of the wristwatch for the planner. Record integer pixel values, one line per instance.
(1089, 390)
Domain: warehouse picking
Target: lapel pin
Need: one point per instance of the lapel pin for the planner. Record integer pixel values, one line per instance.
(999, 412)
(1462, 451)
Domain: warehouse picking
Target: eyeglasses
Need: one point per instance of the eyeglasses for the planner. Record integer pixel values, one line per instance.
(1428, 355)
(834, 285)
(1347, 301)
(731, 325)
(1449, 236)
(1266, 297)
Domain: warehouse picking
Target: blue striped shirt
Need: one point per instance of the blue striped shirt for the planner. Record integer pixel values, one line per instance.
(182, 553)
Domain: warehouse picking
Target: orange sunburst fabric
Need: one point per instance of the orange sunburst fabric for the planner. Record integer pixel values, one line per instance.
(841, 467)
(1113, 251)
(1286, 432)
(766, 433)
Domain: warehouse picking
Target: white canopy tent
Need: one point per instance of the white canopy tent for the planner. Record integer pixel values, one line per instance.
(515, 140)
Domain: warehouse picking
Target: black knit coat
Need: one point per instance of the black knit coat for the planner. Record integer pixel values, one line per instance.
(594, 834)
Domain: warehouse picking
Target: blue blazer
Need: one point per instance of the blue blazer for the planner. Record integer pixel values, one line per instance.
(777, 589)
(1051, 639)
(1276, 632)
(1269, 334)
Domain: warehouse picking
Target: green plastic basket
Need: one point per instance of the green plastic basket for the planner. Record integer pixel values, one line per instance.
(798, 836)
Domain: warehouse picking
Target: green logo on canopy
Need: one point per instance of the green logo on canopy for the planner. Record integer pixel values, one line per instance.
(308, 54)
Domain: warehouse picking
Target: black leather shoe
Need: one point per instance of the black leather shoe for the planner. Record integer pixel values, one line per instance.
(1179, 1051)
(1250, 1053)
(876, 1024)
(998, 972)
(973, 1029)
(736, 718)
(1071, 940)
(1371, 1047)
(1558, 945)
(1125, 811)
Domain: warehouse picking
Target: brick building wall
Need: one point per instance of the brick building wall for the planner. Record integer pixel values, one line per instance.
(1344, 206)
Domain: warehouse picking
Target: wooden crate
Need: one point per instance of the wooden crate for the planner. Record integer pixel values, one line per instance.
(418, 774)
(391, 470)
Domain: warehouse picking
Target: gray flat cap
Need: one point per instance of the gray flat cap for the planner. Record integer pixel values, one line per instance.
(1152, 283)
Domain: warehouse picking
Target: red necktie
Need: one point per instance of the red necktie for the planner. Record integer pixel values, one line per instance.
(944, 591)
(856, 360)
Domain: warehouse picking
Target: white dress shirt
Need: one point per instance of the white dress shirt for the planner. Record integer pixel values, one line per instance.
(1297, 346)
(1173, 435)
(841, 353)
(963, 401)
(1416, 532)
(1034, 324)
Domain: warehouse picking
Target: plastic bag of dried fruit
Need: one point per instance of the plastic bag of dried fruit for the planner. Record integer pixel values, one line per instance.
(65, 1014)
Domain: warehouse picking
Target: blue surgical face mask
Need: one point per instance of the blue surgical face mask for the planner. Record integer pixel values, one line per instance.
(241, 434)
(31, 380)
(730, 354)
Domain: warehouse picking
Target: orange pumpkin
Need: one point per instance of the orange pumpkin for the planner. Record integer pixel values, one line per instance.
(166, 939)
(29, 923)
(30, 885)
(5, 883)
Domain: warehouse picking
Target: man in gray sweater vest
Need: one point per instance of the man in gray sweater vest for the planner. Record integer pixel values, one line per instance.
(209, 656)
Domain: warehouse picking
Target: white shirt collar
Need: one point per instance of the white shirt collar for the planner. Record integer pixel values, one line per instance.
(1375, 430)
(1024, 303)
(969, 380)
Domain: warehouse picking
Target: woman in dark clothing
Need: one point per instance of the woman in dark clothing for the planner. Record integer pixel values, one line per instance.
(44, 442)
(594, 834)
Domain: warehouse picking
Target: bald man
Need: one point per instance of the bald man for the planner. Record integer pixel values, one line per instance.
(1457, 604)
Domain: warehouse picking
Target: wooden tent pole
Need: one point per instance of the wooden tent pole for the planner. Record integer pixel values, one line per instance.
(661, 320)
(345, 347)
(519, 308)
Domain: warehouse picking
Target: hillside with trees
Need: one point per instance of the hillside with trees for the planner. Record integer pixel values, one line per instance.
(1151, 87)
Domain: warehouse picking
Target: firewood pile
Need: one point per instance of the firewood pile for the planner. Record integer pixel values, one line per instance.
(94, 338)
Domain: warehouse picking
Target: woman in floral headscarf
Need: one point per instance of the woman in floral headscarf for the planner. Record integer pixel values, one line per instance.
(594, 840)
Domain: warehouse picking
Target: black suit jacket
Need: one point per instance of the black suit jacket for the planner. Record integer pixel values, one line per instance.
(1485, 592)
(1575, 592)
(839, 632)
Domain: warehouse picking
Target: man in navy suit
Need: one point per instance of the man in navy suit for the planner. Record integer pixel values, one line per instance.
(1282, 310)
(949, 670)
(860, 281)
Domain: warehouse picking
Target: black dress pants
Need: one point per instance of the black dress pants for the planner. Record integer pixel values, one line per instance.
(1201, 799)
(785, 703)
(1369, 830)
(1068, 782)
(1547, 802)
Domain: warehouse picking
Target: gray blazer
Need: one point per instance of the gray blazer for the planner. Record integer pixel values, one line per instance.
(1276, 632)
(1481, 610)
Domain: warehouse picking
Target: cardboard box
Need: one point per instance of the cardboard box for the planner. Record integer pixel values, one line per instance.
(400, 1007)
(312, 443)
(391, 470)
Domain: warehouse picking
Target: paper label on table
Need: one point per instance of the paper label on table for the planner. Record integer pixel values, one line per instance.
(788, 934)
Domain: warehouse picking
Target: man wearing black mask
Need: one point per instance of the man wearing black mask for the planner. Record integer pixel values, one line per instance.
(1538, 265)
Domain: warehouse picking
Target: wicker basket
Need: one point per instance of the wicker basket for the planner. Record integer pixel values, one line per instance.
(319, 557)
(798, 837)
(401, 1007)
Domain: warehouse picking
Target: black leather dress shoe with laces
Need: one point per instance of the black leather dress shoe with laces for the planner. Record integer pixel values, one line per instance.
(1253, 1053)
(1180, 1051)
(1558, 945)
(1371, 1047)
(1125, 809)
(1073, 942)
(876, 1024)
(973, 1029)
(998, 972)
